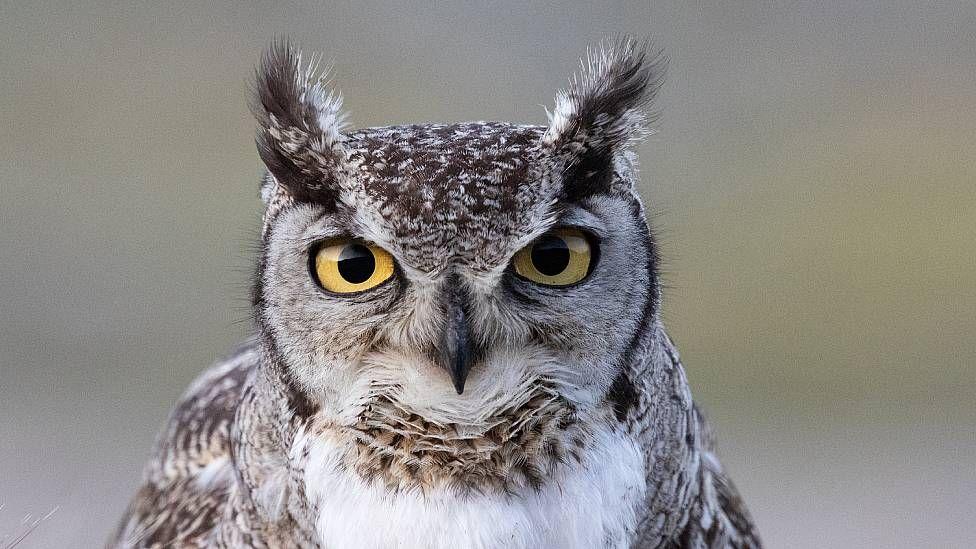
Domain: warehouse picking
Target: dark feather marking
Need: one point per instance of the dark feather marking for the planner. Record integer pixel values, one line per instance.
(298, 400)
(623, 395)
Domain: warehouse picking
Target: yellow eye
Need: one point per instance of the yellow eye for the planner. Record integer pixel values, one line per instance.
(558, 258)
(348, 266)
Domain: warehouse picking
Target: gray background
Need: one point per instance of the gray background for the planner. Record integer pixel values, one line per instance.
(813, 182)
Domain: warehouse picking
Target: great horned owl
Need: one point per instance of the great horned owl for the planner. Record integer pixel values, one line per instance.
(458, 343)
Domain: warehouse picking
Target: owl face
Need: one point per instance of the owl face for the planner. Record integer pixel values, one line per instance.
(445, 280)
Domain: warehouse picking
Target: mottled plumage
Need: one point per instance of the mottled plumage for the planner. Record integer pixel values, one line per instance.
(458, 402)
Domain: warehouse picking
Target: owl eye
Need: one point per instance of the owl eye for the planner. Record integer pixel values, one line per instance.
(560, 257)
(349, 266)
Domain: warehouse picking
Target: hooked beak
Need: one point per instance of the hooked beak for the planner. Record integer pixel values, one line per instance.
(457, 350)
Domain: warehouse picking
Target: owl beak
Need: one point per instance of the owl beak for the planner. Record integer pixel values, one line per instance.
(457, 350)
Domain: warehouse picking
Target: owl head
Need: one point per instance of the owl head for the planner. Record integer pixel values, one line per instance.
(464, 296)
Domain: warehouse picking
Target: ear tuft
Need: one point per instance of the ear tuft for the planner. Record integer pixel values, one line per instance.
(300, 123)
(602, 111)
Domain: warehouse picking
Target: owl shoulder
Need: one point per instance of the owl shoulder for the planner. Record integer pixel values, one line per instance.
(184, 483)
(719, 517)
(198, 429)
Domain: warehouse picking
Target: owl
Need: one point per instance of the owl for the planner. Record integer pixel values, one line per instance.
(458, 342)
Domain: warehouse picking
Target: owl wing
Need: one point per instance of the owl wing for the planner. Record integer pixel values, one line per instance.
(185, 482)
(719, 517)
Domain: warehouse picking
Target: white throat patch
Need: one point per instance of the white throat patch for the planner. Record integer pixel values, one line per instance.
(588, 504)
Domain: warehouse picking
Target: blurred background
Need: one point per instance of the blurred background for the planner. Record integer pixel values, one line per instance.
(813, 183)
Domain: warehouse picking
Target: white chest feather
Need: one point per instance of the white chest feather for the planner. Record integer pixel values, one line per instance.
(590, 504)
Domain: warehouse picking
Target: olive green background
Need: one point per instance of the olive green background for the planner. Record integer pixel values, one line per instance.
(812, 181)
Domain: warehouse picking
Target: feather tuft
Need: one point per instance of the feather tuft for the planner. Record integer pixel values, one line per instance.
(300, 122)
(603, 110)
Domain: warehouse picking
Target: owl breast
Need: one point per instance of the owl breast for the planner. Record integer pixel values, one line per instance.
(592, 504)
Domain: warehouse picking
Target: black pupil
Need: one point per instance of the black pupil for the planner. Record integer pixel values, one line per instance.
(550, 255)
(356, 263)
